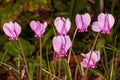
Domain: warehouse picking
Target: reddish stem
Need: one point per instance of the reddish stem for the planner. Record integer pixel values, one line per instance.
(40, 58)
(86, 72)
(24, 58)
(72, 44)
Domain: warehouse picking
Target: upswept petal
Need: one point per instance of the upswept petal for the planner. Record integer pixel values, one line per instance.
(44, 25)
(98, 55)
(38, 27)
(57, 43)
(86, 19)
(68, 43)
(84, 55)
(8, 29)
(95, 56)
(111, 20)
(101, 19)
(96, 27)
(17, 29)
(78, 21)
(67, 24)
(84, 62)
(58, 24)
(33, 25)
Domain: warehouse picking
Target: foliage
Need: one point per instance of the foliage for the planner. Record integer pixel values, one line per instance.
(24, 11)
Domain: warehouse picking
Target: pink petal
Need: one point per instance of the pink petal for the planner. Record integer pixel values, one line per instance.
(58, 24)
(86, 19)
(94, 57)
(9, 29)
(78, 21)
(44, 25)
(101, 19)
(33, 25)
(84, 62)
(96, 27)
(84, 55)
(68, 43)
(57, 43)
(67, 24)
(111, 20)
(17, 29)
(92, 64)
(98, 55)
(38, 27)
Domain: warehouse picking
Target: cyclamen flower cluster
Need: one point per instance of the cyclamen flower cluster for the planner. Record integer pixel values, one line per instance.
(104, 24)
(12, 30)
(93, 60)
(38, 28)
(62, 42)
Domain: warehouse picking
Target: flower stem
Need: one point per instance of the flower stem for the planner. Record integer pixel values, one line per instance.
(59, 66)
(72, 45)
(71, 50)
(18, 65)
(40, 58)
(86, 71)
(24, 58)
(76, 71)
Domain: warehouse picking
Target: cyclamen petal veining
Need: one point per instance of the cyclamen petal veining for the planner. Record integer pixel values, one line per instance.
(82, 21)
(104, 24)
(38, 28)
(12, 30)
(62, 25)
(93, 60)
(61, 44)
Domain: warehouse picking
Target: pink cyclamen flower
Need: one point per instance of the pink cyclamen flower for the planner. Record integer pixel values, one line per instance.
(93, 60)
(61, 44)
(104, 24)
(38, 28)
(62, 25)
(82, 21)
(12, 30)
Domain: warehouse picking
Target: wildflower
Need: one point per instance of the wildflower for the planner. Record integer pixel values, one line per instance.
(38, 28)
(61, 44)
(93, 60)
(62, 25)
(104, 24)
(12, 30)
(82, 21)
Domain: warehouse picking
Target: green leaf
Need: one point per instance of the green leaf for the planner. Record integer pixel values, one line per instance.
(100, 44)
(3, 39)
(78, 6)
(31, 69)
(47, 37)
(98, 73)
(10, 12)
(59, 5)
(13, 47)
(66, 69)
(4, 57)
(36, 63)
